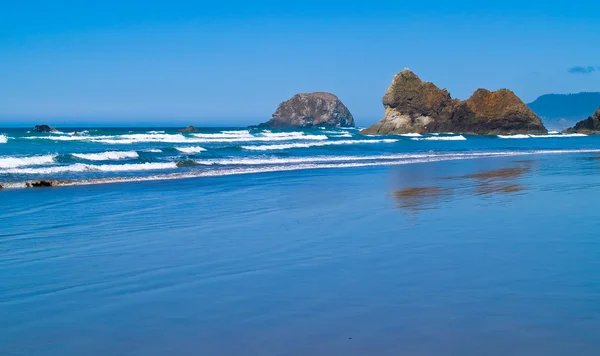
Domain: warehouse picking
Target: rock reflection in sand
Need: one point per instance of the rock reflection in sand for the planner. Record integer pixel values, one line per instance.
(496, 181)
(420, 198)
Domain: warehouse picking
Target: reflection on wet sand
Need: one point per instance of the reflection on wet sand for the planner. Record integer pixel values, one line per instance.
(499, 180)
(494, 181)
(420, 198)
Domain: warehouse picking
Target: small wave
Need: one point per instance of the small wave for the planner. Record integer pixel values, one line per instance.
(195, 149)
(345, 134)
(80, 167)
(155, 132)
(225, 134)
(3, 139)
(106, 156)
(313, 144)
(411, 134)
(315, 159)
(440, 138)
(14, 162)
(514, 136)
(553, 132)
(153, 150)
(559, 136)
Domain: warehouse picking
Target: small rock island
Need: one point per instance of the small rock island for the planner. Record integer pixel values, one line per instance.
(310, 110)
(43, 128)
(414, 106)
(591, 125)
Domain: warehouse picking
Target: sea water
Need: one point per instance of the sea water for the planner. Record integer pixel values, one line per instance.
(322, 242)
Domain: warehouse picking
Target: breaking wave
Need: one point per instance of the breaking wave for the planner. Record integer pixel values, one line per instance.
(3, 139)
(14, 162)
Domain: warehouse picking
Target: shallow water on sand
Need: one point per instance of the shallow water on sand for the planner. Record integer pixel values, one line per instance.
(493, 256)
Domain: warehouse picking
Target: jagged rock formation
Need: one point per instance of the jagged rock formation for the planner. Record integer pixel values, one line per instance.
(311, 110)
(591, 125)
(412, 105)
(43, 128)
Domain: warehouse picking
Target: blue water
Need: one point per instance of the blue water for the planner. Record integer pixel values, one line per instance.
(483, 246)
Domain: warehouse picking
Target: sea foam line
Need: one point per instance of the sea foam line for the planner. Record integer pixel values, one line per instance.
(267, 169)
(80, 167)
(313, 144)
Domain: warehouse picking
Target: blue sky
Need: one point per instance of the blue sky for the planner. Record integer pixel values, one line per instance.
(178, 62)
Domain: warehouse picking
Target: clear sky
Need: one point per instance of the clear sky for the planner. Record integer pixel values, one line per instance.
(228, 62)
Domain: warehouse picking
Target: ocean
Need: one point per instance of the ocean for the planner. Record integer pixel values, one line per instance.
(295, 242)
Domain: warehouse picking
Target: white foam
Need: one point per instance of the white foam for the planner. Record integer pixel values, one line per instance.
(514, 136)
(411, 134)
(3, 139)
(440, 138)
(106, 156)
(155, 132)
(315, 159)
(153, 150)
(195, 149)
(313, 144)
(559, 136)
(553, 132)
(80, 167)
(14, 162)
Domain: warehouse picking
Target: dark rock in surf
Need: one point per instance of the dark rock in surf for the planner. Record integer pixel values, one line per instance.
(189, 129)
(412, 105)
(591, 125)
(43, 128)
(41, 184)
(310, 110)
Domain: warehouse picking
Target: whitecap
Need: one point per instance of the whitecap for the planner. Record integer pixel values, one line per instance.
(313, 144)
(106, 156)
(440, 138)
(194, 149)
(520, 136)
(3, 139)
(411, 134)
(153, 150)
(13, 162)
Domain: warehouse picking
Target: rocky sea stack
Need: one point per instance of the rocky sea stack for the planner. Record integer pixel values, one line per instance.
(43, 128)
(591, 125)
(412, 105)
(311, 110)
(189, 129)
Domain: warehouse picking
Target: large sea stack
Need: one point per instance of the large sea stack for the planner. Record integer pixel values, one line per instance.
(311, 110)
(591, 125)
(412, 105)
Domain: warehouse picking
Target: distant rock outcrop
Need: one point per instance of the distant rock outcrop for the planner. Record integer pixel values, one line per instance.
(311, 110)
(591, 125)
(189, 129)
(412, 105)
(43, 128)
